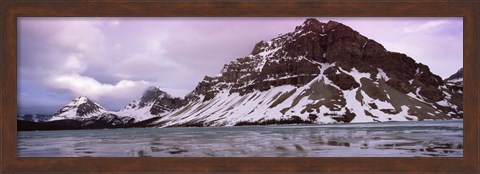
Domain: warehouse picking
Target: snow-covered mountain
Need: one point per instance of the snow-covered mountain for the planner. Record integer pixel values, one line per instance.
(455, 82)
(78, 109)
(319, 73)
(89, 114)
(456, 79)
(153, 103)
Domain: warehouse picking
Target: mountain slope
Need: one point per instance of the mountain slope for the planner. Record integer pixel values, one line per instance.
(456, 79)
(153, 103)
(322, 73)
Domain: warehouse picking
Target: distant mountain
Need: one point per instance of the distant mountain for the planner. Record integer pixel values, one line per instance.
(153, 103)
(455, 82)
(83, 113)
(102, 122)
(78, 109)
(319, 73)
(456, 79)
(80, 113)
(34, 117)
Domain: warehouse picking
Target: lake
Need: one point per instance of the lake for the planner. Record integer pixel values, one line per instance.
(387, 139)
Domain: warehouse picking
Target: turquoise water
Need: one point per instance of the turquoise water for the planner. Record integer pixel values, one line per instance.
(389, 139)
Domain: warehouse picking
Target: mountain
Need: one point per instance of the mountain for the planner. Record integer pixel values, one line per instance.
(455, 82)
(34, 117)
(319, 73)
(78, 109)
(82, 113)
(153, 103)
(456, 79)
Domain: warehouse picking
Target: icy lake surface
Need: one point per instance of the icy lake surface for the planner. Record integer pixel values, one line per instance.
(391, 139)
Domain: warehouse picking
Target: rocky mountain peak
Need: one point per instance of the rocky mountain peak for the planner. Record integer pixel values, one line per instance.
(83, 101)
(79, 100)
(456, 79)
(311, 24)
(151, 94)
(153, 102)
(457, 75)
(78, 108)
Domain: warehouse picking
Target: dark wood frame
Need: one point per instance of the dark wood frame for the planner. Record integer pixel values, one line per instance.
(469, 10)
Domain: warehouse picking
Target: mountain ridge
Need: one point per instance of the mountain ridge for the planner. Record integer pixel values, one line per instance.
(318, 73)
(153, 102)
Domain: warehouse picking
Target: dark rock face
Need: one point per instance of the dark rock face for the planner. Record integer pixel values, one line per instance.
(342, 80)
(165, 104)
(88, 108)
(150, 95)
(456, 79)
(157, 100)
(162, 102)
(457, 75)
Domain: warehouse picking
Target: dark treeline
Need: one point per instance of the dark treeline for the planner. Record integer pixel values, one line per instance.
(76, 124)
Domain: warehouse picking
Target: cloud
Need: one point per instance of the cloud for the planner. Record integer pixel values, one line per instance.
(114, 23)
(81, 36)
(144, 66)
(87, 86)
(424, 26)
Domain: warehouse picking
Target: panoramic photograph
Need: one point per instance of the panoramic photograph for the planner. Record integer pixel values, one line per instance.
(240, 87)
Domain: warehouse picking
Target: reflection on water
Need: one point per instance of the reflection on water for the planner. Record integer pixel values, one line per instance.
(393, 139)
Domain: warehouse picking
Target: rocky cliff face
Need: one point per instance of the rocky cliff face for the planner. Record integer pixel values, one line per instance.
(326, 71)
(455, 84)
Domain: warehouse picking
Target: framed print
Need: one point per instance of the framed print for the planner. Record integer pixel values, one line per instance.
(239, 87)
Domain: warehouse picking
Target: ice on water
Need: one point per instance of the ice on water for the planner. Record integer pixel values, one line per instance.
(389, 139)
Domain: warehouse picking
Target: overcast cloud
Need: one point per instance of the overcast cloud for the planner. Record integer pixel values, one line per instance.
(113, 60)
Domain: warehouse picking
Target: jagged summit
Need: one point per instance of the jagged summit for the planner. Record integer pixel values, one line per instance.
(152, 93)
(311, 24)
(315, 26)
(78, 101)
(153, 103)
(456, 79)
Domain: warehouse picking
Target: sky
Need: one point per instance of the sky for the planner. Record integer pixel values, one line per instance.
(113, 60)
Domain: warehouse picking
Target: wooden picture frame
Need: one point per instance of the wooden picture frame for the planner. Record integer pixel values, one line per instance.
(10, 10)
